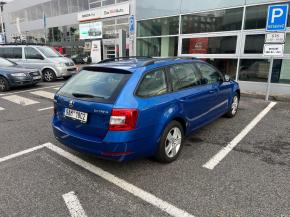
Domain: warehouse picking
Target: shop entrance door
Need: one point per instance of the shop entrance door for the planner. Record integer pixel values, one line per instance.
(109, 49)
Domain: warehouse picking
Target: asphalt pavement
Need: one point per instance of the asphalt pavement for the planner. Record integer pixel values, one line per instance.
(252, 180)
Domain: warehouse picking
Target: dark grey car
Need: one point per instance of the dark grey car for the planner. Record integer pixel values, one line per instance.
(13, 75)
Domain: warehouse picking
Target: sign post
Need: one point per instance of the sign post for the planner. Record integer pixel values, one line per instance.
(275, 37)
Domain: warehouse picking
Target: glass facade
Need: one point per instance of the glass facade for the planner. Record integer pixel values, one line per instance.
(158, 27)
(231, 37)
(58, 7)
(209, 45)
(161, 46)
(213, 21)
(64, 38)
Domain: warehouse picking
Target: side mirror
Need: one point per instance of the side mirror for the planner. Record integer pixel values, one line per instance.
(227, 78)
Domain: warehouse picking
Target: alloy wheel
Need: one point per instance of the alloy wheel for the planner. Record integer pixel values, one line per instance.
(48, 75)
(2, 84)
(173, 142)
(235, 105)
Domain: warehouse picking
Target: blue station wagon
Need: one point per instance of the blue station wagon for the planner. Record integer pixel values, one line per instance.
(141, 107)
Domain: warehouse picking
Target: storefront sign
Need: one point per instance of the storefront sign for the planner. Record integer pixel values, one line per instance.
(104, 12)
(96, 51)
(91, 30)
(275, 38)
(273, 50)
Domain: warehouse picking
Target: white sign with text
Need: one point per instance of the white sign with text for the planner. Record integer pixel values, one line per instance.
(273, 50)
(275, 38)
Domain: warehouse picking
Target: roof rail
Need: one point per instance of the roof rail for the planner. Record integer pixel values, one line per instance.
(149, 62)
(124, 58)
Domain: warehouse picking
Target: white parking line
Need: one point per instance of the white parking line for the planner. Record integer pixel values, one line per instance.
(44, 94)
(138, 192)
(20, 100)
(2, 109)
(214, 161)
(18, 154)
(126, 186)
(56, 88)
(24, 91)
(73, 204)
(44, 109)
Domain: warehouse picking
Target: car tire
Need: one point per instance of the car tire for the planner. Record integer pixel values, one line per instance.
(234, 107)
(48, 75)
(171, 143)
(66, 77)
(4, 85)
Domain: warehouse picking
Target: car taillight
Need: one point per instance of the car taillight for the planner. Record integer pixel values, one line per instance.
(123, 119)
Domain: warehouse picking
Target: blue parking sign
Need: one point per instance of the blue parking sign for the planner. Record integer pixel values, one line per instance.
(132, 24)
(277, 18)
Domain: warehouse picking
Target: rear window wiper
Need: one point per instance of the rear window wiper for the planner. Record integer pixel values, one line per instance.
(86, 95)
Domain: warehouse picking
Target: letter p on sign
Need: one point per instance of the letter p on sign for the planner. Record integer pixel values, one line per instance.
(277, 18)
(277, 12)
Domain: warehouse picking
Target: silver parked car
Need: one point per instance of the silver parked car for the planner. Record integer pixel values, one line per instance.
(48, 61)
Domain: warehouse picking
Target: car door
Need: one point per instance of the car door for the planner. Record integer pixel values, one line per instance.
(190, 93)
(219, 90)
(33, 58)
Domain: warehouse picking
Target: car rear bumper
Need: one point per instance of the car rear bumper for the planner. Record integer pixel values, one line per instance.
(115, 151)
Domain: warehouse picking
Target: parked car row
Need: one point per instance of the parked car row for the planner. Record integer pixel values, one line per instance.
(17, 61)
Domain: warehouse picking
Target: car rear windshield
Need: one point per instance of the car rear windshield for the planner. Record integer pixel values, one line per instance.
(97, 85)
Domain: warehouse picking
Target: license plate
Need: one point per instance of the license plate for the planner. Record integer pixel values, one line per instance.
(36, 77)
(76, 115)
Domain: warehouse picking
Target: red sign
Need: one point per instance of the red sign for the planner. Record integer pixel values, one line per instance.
(198, 46)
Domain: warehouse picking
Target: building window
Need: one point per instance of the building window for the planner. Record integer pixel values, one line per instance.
(256, 17)
(163, 46)
(210, 45)
(213, 21)
(254, 44)
(254, 70)
(225, 66)
(108, 2)
(281, 71)
(158, 27)
(72, 6)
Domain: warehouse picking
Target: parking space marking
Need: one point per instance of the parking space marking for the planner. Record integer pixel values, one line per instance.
(73, 204)
(2, 109)
(20, 100)
(215, 160)
(24, 91)
(126, 186)
(18, 154)
(44, 109)
(43, 94)
(56, 88)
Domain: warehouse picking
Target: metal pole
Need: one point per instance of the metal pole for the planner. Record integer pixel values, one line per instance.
(269, 79)
(2, 23)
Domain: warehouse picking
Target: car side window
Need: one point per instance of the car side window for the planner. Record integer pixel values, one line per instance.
(17, 53)
(183, 76)
(209, 74)
(153, 84)
(31, 53)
